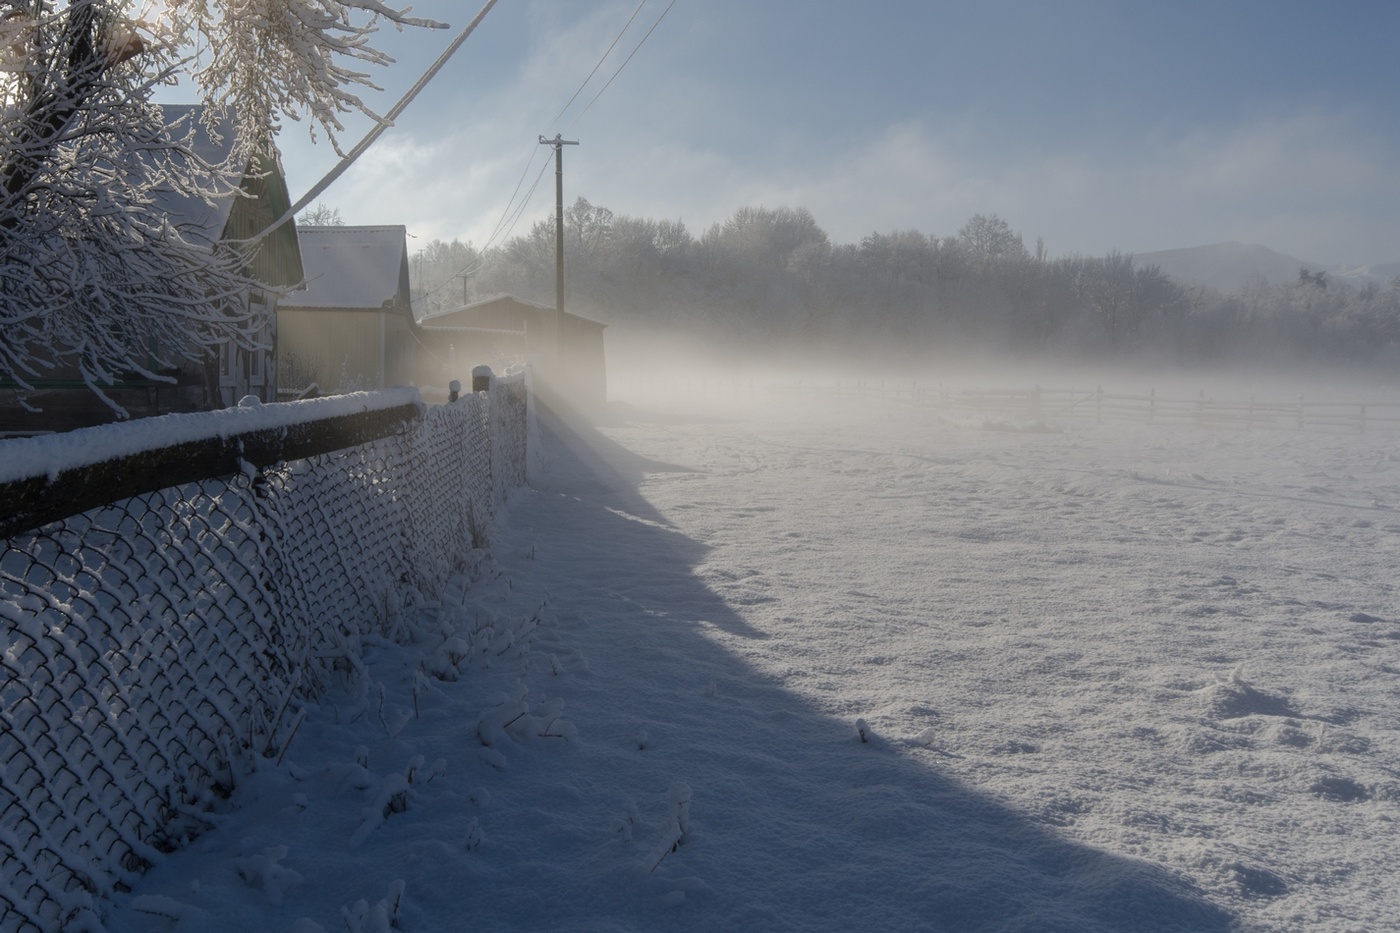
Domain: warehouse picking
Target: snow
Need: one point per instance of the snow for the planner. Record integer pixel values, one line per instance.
(799, 665)
(350, 267)
(51, 454)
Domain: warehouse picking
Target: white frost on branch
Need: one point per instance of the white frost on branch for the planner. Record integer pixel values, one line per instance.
(94, 276)
(271, 58)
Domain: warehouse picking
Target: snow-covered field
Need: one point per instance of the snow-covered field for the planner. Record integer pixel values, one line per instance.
(1112, 677)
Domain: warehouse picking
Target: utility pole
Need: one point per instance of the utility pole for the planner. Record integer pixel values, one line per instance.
(558, 142)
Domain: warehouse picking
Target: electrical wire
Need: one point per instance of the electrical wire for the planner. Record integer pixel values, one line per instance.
(535, 150)
(491, 240)
(615, 41)
(480, 260)
(622, 66)
(388, 120)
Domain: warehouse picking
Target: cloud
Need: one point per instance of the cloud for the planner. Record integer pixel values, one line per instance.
(1315, 184)
(1306, 180)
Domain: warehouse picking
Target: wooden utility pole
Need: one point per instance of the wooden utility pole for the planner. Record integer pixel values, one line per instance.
(558, 142)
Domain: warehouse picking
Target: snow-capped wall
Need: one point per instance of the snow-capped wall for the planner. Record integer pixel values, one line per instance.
(146, 644)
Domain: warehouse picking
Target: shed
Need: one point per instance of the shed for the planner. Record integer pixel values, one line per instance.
(349, 326)
(566, 350)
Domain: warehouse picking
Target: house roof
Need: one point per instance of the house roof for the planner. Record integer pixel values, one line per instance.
(195, 217)
(235, 216)
(353, 268)
(456, 316)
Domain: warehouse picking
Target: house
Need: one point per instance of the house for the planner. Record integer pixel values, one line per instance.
(276, 262)
(61, 401)
(349, 326)
(566, 350)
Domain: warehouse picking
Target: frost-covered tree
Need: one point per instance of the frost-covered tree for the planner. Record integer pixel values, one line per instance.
(990, 239)
(94, 276)
(321, 215)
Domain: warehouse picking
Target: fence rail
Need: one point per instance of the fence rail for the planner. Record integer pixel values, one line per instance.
(159, 608)
(1049, 404)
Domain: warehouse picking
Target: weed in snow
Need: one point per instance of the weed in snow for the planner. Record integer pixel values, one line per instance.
(170, 910)
(514, 717)
(382, 917)
(389, 798)
(623, 825)
(418, 775)
(677, 831)
(263, 870)
(393, 720)
(475, 837)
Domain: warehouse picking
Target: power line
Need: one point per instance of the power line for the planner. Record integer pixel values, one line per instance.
(497, 229)
(520, 209)
(491, 239)
(615, 41)
(477, 263)
(385, 123)
(623, 65)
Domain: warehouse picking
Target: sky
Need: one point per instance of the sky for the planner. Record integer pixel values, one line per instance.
(1094, 125)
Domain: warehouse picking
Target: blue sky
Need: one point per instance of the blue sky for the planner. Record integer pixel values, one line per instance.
(1095, 125)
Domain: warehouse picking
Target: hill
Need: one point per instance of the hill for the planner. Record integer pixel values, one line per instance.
(1229, 267)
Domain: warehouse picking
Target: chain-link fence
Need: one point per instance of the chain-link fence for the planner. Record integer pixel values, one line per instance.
(147, 642)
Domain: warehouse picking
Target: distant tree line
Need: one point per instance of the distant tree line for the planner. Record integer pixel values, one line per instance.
(771, 281)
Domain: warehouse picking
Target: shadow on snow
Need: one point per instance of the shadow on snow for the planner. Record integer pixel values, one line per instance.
(796, 824)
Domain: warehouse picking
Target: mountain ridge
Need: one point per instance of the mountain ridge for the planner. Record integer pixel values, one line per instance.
(1231, 266)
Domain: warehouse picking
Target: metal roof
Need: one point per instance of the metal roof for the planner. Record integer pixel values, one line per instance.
(435, 321)
(362, 268)
(233, 215)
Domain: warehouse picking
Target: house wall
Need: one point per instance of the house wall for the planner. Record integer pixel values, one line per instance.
(342, 351)
(582, 368)
(444, 354)
(570, 367)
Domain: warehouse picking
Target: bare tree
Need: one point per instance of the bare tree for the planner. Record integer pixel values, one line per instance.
(321, 214)
(990, 239)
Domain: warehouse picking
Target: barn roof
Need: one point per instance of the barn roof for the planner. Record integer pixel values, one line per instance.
(353, 268)
(196, 218)
(462, 315)
(233, 216)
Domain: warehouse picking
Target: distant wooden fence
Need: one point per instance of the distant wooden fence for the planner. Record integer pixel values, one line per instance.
(1100, 406)
(1096, 405)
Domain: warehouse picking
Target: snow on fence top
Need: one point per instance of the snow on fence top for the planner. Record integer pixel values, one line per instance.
(148, 642)
(64, 474)
(51, 454)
